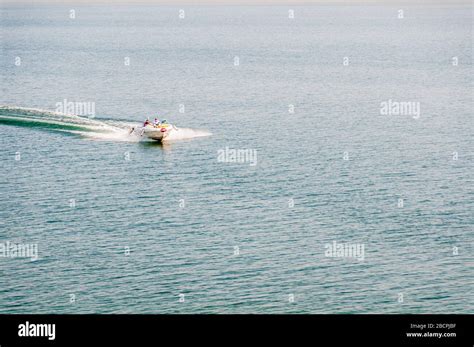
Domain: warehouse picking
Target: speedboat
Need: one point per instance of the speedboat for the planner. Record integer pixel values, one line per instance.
(157, 132)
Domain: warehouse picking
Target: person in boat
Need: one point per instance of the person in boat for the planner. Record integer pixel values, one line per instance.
(147, 122)
(156, 122)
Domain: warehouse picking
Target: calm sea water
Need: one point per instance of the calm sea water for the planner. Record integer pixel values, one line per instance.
(124, 226)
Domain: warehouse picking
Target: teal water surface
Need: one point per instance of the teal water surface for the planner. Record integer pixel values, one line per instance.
(128, 226)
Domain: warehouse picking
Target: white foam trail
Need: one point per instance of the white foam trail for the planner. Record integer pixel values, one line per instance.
(186, 133)
(46, 117)
(122, 135)
(91, 128)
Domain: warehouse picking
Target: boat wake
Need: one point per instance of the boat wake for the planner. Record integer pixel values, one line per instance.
(92, 128)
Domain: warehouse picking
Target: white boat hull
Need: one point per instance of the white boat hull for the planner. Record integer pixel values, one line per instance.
(154, 134)
(157, 133)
